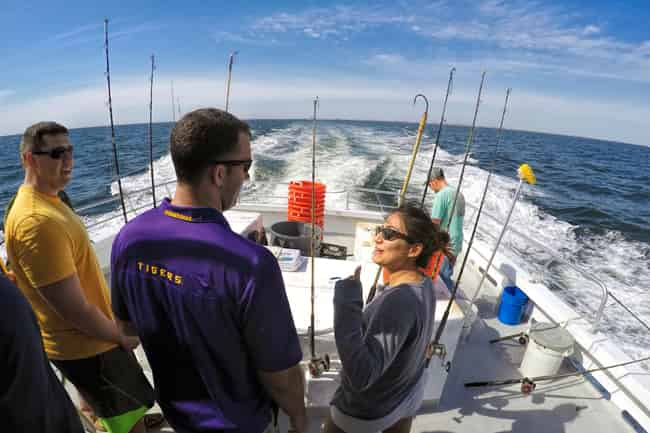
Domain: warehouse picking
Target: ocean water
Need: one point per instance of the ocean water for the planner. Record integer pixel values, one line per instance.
(591, 204)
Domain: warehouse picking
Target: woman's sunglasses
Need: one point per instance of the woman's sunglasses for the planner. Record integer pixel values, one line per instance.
(390, 234)
(56, 153)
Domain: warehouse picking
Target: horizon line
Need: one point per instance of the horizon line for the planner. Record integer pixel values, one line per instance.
(368, 120)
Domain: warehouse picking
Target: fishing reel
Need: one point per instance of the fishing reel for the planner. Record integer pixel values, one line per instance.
(319, 365)
(527, 386)
(522, 338)
(438, 350)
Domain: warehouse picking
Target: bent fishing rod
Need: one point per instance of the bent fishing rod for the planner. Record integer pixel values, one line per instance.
(405, 184)
(434, 347)
(153, 183)
(437, 142)
(110, 112)
(231, 61)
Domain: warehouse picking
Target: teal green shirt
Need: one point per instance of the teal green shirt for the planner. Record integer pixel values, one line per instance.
(441, 209)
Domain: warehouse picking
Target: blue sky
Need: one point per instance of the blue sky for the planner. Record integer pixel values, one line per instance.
(576, 67)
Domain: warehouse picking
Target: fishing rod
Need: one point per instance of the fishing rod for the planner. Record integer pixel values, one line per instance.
(110, 112)
(468, 147)
(231, 60)
(317, 364)
(312, 341)
(153, 184)
(528, 384)
(405, 184)
(434, 347)
(526, 174)
(480, 208)
(416, 147)
(437, 142)
(178, 104)
(173, 104)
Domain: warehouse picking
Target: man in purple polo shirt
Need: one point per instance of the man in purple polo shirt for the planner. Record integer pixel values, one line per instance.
(208, 305)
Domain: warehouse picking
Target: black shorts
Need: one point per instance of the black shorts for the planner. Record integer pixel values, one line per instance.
(112, 382)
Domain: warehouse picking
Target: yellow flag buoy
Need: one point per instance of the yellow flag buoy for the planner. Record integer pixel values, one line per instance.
(526, 173)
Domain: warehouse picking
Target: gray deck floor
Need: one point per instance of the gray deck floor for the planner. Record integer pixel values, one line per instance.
(566, 405)
(570, 405)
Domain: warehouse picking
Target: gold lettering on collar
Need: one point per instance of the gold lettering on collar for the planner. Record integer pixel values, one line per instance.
(178, 216)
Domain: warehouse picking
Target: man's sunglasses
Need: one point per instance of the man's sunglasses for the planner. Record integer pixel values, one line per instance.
(56, 153)
(390, 234)
(245, 163)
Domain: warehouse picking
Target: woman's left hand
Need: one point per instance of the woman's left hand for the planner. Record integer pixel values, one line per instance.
(357, 274)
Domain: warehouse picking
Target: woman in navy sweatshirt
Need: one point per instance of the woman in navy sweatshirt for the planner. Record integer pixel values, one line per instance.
(383, 347)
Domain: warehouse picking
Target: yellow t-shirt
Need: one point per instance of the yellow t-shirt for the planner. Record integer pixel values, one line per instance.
(46, 243)
(3, 268)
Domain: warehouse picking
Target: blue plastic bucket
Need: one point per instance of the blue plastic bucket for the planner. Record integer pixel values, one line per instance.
(513, 305)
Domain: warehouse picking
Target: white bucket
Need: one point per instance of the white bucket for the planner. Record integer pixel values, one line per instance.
(548, 346)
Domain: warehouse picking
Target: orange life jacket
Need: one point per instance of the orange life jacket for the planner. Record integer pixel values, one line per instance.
(432, 270)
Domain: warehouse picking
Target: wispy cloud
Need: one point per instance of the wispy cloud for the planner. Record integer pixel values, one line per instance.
(84, 30)
(560, 38)
(243, 39)
(335, 22)
(534, 27)
(386, 59)
(136, 29)
(93, 33)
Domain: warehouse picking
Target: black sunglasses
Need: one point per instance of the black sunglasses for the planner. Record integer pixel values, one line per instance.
(391, 234)
(245, 163)
(56, 153)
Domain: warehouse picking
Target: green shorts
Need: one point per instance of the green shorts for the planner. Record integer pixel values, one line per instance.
(114, 386)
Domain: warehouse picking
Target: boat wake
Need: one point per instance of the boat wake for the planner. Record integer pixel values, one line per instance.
(376, 156)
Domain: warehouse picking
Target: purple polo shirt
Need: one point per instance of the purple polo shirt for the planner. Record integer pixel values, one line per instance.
(210, 309)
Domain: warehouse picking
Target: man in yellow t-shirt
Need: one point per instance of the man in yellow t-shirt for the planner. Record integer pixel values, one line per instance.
(58, 271)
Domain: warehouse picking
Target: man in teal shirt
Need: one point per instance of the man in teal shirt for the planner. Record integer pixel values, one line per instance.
(441, 210)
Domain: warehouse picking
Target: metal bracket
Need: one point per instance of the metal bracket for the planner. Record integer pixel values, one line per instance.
(319, 365)
(438, 350)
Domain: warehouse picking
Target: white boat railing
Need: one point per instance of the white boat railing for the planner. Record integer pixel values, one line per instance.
(383, 202)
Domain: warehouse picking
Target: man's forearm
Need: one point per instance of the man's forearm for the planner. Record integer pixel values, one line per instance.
(290, 395)
(68, 300)
(91, 321)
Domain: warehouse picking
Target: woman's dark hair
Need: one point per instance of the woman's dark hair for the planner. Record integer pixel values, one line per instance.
(422, 230)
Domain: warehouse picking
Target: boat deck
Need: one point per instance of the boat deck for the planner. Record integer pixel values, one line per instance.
(569, 405)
